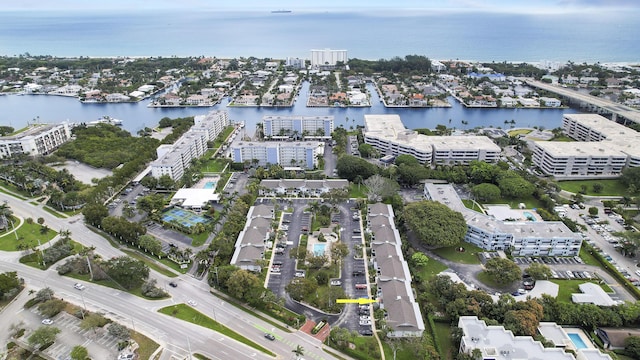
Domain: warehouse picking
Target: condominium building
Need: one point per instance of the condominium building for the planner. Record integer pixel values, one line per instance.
(497, 343)
(328, 57)
(296, 154)
(174, 159)
(522, 238)
(39, 139)
(285, 127)
(387, 134)
(604, 149)
(252, 240)
(393, 278)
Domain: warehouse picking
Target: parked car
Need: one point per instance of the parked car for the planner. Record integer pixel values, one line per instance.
(47, 322)
(336, 282)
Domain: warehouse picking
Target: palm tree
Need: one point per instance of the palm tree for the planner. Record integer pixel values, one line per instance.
(298, 351)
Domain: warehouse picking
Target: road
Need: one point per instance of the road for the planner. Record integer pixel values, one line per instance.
(175, 336)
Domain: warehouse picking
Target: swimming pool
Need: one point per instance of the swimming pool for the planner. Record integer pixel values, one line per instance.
(319, 249)
(577, 341)
(210, 185)
(529, 216)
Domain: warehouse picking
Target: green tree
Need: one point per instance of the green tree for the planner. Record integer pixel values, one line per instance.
(631, 176)
(597, 188)
(338, 251)
(632, 346)
(539, 271)
(166, 182)
(94, 213)
(299, 288)
(298, 351)
(93, 321)
(419, 259)
(593, 211)
(51, 308)
(42, 336)
(119, 331)
(521, 322)
(150, 244)
(380, 187)
(128, 272)
(241, 283)
(486, 192)
(515, 187)
(366, 150)
(351, 166)
(8, 282)
(434, 223)
(409, 160)
(503, 271)
(79, 353)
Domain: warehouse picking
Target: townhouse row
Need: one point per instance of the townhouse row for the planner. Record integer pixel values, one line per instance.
(393, 279)
(251, 242)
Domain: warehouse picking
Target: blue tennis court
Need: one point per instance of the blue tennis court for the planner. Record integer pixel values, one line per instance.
(183, 217)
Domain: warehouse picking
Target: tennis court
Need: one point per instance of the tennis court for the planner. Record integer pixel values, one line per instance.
(183, 217)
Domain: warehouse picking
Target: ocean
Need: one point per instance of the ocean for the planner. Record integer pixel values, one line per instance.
(604, 37)
(593, 37)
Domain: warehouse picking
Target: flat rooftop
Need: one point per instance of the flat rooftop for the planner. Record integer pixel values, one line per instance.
(564, 149)
(391, 128)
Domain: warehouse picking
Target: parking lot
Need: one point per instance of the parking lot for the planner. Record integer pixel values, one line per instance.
(99, 343)
(353, 272)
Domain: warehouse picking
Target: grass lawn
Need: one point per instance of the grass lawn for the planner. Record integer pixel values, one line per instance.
(563, 138)
(588, 257)
(11, 189)
(213, 166)
(28, 234)
(433, 268)
(519, 132)
(402, 352)
(443, 331)
(486, 279)
(175, 266)
(530, 202)
(468, 256)
(366, 347)
(198, 239)
(611, 187)
(470, 204)
(568, 287)
(356, 191)
(147, 346)
(56, 213)
(187, 313)
(151, 263)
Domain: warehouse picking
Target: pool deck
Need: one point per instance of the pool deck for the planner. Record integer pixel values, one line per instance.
(202, 183)
(585, 338)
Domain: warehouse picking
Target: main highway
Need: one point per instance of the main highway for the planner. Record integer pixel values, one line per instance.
(175, 336)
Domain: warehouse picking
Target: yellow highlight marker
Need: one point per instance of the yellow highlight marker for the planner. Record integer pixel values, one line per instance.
(360, 301)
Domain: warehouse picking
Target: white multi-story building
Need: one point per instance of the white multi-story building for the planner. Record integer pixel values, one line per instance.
(302, 126)
(393, 278)
(174, 159)
(41, 139)
(522, 238)
(604, 149)
(298, 154)
(497, 343)
(328, 57)
(387, 134)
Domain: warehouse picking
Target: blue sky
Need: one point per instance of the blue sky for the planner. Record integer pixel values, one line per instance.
(518, 6)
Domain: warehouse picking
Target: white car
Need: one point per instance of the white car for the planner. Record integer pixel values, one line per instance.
(192, 303)
(79, 286)
(336, 282)
(365, 322)
(47, 322)
(365, 318)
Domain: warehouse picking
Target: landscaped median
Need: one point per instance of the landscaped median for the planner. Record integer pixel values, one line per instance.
(189, 314)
